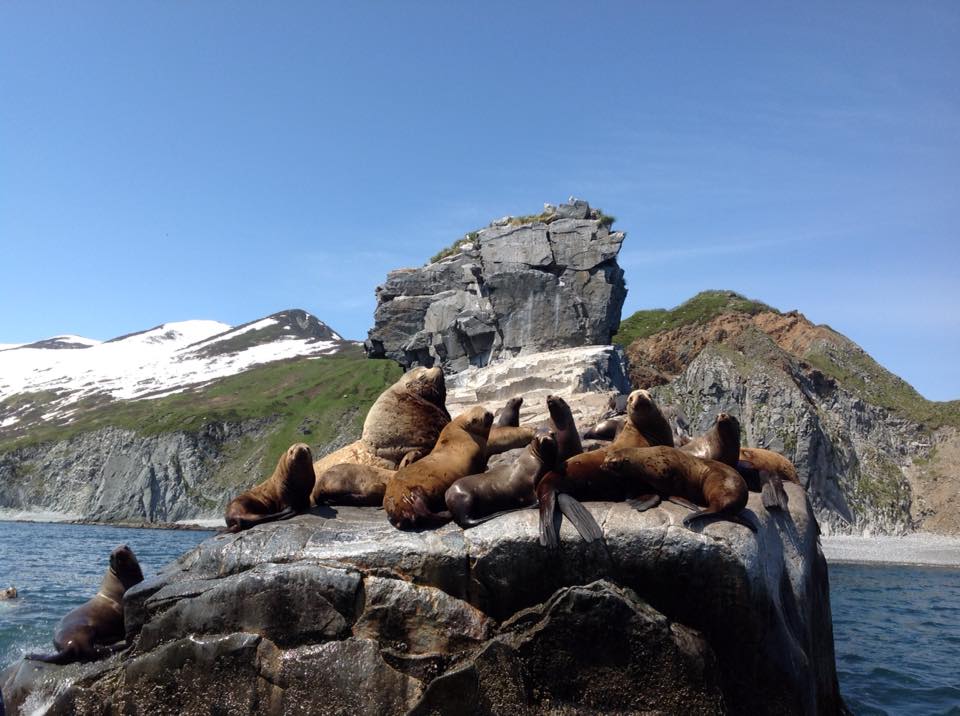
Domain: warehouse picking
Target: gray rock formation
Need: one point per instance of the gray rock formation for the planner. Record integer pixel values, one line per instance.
(512, 287)
(344, 614)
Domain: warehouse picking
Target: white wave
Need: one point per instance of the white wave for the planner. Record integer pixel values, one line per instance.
(920, 548)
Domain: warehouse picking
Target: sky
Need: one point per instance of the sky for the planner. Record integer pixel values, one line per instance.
(165, 161)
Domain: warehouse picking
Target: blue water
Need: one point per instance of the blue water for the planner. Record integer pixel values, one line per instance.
(896, 629)
(56, 567)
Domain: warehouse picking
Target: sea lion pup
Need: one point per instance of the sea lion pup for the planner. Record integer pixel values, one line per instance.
(92, 630)
(414, 495)
(564, 427)
(284, 494)
(408, 415)
(721, 442)
(765, 470)
(477, 498)
(8, 593)
(509, 415)
(605, 429)
(674, 473)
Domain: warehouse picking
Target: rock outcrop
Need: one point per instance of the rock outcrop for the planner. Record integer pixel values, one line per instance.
(340, 613)
(520, 285)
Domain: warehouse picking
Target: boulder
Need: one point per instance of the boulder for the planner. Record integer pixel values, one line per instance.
(345, 614)
(514, 287)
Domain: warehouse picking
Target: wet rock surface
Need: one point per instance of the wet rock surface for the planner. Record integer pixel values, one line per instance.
(338, 612)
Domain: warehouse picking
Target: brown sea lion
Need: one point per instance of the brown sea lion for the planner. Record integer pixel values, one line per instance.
(284, 494)
(564, 427)
(721, 442)
(674, 473)
(477, 498)
(508, 438)
(605, 429)
(765, 470)
(8, 593)
(414, 496)
(408, 415)
(509, 415)
(645, 424)
(348, 484)
(93, 630)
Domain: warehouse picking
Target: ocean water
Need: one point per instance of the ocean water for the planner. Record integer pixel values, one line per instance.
(896, 627)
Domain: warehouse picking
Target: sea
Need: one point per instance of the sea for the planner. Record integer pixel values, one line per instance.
(896, 626)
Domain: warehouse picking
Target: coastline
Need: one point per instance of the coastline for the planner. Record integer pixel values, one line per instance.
(202, 524)
(923, 549)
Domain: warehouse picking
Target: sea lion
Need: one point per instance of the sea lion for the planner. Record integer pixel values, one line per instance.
(765, 470)
(93, 630)
(721, 442)
(605, 429)
(645, 424)
(583, 476)
(564, 427)
(8, 593)
(408, 415)
(502, 439)
(509, 415)
(477, 498)
(674, 473)
(414, 496)
(284, 494)
(351, 484)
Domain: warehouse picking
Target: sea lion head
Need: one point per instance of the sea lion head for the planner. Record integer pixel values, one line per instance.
(125, 567)
(728, 427)
(9, 593)
(298, 457)
(559, 411)
(428, 383)
(477, 421)
(641, 402)
(544, 446)
(514, 403)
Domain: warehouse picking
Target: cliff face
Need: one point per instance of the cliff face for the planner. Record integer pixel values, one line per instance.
(873, 454)
(523, 284)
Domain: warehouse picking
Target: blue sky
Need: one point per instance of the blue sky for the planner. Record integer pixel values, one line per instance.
(163, 161)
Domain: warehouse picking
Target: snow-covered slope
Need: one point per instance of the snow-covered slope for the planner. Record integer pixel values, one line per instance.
(163, 360)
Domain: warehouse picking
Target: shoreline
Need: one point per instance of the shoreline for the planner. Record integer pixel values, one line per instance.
(201, 524)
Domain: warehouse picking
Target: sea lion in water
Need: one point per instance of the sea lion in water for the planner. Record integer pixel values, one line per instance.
(508, 438)
(721, 442)
(564, 427)
(509, 415)
(8, 593)
(284, 494)
(674, 473)
(408, 415)
(765, 470)
(92, 630)
(477, 498)
(414, 496)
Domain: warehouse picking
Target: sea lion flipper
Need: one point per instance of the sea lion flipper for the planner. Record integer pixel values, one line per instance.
(706, 514)
(683, 502)
(550, 520)
(644, 502)
(579, 517)
(772, 493)
(60, 657)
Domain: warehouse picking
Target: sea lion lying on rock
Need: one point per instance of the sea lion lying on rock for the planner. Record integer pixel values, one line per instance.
(284, 494)
(583, 476)
(407, 416)
(414, 496)
(92, 630)
(351, 484)
(721, 442)
(674, 473)
(508, 438)
(477, 498)
(606, 429)
(765, 470)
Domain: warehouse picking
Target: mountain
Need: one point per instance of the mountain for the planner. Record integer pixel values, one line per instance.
(167, 424)
(874, 454)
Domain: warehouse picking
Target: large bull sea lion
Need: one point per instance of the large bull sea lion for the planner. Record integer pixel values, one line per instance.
(477, 498)
(284, 494)
(414, 496)
(407, 416)
(93, 630)
(674, 473)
